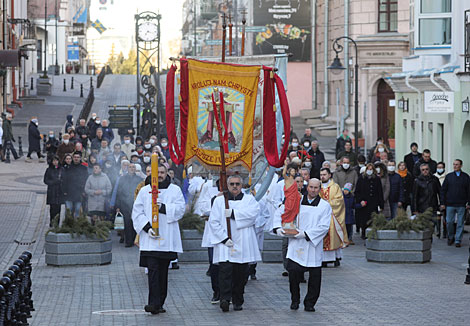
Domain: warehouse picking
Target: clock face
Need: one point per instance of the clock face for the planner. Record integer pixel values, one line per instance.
(148, 32)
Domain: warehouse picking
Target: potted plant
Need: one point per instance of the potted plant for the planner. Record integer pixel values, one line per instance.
(391, 136)
(77, 68)
(78, 242)
(68, 68)
(400, 240)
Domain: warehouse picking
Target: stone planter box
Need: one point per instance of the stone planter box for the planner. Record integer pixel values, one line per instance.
(43, 86)
(194, 253)
(392, 247)
(62, 249)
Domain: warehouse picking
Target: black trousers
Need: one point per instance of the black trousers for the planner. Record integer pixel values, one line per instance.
(314, 284)
(129, 232)
(285, 245)
(8, 146)
(213, 271)
(158, 281)
(232, 279)
(54, 210)
(37, 152)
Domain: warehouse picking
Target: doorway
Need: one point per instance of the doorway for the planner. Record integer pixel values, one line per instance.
(385, 111)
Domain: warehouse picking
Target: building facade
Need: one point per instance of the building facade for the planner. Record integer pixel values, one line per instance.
(433, 89)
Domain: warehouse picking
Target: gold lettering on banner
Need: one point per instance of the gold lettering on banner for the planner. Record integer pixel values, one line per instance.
(224, 83)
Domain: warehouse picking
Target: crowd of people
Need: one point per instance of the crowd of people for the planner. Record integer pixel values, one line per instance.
(92, 172)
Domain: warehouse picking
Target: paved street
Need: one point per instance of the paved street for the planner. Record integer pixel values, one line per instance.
(357, 293)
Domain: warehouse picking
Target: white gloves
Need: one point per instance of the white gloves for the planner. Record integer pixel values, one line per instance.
(300, 235)
(280, 232)
(152, 234)
(228, 212)
(159, 202)
(229, 243)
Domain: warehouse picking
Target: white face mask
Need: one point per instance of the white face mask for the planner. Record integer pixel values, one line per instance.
(127, 141)
(379, 143)
(147, 146)
(295, 144)
(164, 144)
(98, 122)
(306, 144)
(308, 164)
(146, 159)
(440, 171)
(305, 182)
(345, 166)
(66, 141)
(361, 165)
(381, 149)
(108, 165)
(377, 170)
(369, 172)
(152, 141)
(390, 168)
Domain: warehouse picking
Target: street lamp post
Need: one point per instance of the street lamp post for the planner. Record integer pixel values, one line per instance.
(338, 66)
(45, 40)
(56, 69)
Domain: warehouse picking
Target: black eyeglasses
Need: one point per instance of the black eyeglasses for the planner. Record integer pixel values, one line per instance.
(234, 184)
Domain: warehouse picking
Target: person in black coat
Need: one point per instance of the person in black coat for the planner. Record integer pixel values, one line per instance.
(34, 140)
(407, 183)
(317, 158)
(425, 158)
(369, 196)
(82, 133)
(74, 184)
(395, 198)
(68, 123)
(426, 191)
(51, 146)
(413, 157)
(53, 180)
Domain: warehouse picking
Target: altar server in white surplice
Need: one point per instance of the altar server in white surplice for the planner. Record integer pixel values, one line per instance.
(157, 252)
(233, 255)
(305, 251)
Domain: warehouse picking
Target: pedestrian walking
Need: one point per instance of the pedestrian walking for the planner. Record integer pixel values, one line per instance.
(395, 198)
(156, 251)
(124, 201)
(82, 133)
(66, 147)
(98, 188)
(127, 147)
(371, 152)
(34, 140)
(426, 192)
(348, 152)
(73, 185)
(350, 206)
(51, 146)
(308, 136)
(425, 158)
(68, 123)
(381, 150)
(345, 173)
(317, 159)
(369, 195)
(340, 142)
(407, 184)
(233, 253)
(53, 180)
(441, 213)
(412, 158)
(7, 137)
(455, 199)
(93, 127)
(304, 253)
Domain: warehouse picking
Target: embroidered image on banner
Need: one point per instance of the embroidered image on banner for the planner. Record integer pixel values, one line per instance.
(238, 85)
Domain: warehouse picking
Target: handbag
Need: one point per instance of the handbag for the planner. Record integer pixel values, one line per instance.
(119, 221)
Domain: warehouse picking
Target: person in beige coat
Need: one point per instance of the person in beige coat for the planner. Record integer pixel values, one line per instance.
(98, 188)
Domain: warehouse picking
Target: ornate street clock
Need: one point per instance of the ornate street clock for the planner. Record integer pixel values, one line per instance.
(148, 31)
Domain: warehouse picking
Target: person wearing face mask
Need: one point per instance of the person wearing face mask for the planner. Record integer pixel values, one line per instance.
(361, 162)
(94, 127)
(395, 198)
(165, 148)
(293, 147)
(127, 147)
(65, 147)
(34, 140)
(371, 154)
(51, 146)
(345, 174)
(91, 122)
(407, 182)
(369, 196)
(379, 153)
(146, 160)
(441, 214)
(381, 170)
(147, 146)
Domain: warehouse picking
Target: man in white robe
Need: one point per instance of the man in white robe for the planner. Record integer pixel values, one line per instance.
(233, 254)
(208, 192)
(305, 250)
(156, 252)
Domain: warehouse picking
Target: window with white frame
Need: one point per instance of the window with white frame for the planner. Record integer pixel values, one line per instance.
(434, 22)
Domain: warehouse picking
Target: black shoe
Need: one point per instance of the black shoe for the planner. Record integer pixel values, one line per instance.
(458, 245)
(324, 264)
(253, 277)
(450, 242)
(215, 298)
(303, 280)
(174, 266)
(294, 306)
(311, 309)
(121, 240)
(337, 263)
(208, 273)
(224, 305)
(161, 310)
(237, 307)
(285, 273)
(152, 309)
(129, 245)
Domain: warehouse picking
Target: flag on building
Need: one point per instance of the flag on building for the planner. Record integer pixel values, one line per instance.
(99, 26)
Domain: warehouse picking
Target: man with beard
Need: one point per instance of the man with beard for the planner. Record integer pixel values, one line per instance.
(156, 251)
